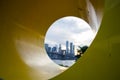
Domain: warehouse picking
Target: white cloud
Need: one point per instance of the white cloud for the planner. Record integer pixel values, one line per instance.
(69, 28)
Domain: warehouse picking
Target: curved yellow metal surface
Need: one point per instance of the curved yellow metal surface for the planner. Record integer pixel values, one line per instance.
(22, 30)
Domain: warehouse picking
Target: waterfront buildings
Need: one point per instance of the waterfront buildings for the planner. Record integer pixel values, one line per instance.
(59, 53)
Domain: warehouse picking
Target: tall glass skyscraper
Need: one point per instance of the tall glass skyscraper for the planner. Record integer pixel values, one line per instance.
(71, 48)
(59, 48)
(67, 47)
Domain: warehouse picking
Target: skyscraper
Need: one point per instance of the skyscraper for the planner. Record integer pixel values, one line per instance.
(49, 49)
(46, 47)
(59, 49)
(54, 49)
(67, 47)
(71, 48)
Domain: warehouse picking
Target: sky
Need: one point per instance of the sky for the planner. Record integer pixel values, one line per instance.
(69, 28)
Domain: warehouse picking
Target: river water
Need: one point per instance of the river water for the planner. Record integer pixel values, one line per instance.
(65, 63)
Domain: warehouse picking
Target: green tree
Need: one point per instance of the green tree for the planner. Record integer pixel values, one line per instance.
(80, 51)
(84, 48)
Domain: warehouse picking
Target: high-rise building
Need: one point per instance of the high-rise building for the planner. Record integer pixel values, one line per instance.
(46, 47)
(71, 48)
(54, 49)
(59, 49)
(67, 47)
(49, 49)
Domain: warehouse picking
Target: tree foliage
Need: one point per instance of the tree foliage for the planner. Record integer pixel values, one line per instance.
(81, 50)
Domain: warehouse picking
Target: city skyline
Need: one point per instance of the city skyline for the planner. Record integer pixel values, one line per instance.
(69, 47)
(57, 53)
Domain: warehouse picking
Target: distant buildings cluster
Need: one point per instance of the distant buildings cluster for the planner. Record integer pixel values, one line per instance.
(58, 53)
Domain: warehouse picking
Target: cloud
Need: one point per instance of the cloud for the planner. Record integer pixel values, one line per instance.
(69, 28)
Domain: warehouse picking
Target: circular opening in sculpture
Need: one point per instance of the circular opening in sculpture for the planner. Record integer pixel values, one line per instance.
(67, 39)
